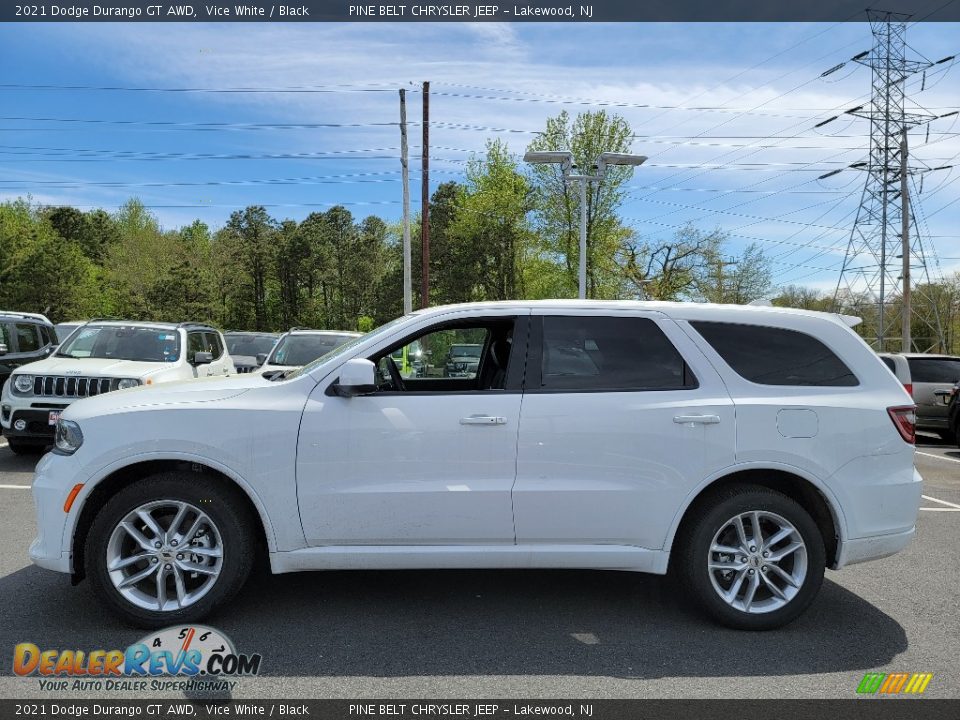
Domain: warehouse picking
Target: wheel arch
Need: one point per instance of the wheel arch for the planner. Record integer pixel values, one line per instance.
(812, 495)
(118, 477)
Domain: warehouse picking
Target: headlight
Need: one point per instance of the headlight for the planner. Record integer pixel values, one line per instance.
(23, 383)
(127, 383)
(67, 438)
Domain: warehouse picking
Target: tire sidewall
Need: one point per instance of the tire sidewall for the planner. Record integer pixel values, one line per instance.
(698, 545)
(219, 506)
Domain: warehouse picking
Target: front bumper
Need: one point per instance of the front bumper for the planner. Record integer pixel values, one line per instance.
(37, 422)
(51, 484)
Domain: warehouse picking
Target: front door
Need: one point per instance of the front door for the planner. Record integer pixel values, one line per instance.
(427, 459)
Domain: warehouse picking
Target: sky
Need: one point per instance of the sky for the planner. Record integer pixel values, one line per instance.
(199, 120)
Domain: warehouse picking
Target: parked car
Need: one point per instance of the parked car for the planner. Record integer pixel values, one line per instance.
(929, 374)
(64, 329)
(744, 449)
(900, 368)
(300, 346)
(24, 338)
(247, 348)
(463, 359)
(100, 357)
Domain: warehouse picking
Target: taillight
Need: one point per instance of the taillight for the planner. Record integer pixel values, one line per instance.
(909, 388)
(905, 419)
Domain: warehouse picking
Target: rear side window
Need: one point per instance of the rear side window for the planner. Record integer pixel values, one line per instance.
(28, 339)
(889, 363)
(775, 356)
(934, 370)
(610, 353)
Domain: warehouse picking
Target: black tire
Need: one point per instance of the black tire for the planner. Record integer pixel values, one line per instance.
(21, 447)
(946, 435)
(711, 514)
(218, 501)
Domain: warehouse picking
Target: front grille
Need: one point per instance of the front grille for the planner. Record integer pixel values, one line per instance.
(73, 387)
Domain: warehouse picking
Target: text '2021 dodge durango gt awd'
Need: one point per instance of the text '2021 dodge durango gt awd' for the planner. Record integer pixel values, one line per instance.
(744, 449)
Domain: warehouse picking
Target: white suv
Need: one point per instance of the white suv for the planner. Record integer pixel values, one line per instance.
(743, 448)
(98, 357)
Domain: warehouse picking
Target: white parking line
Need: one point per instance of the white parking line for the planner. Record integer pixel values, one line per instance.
(954, 506)
(14, 487)
(938, 457)
(940, 509)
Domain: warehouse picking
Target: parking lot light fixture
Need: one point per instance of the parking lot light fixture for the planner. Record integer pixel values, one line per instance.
(565, 159)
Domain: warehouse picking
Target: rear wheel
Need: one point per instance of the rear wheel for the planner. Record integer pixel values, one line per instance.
(946, 435)
(169, 548)
(752, 558)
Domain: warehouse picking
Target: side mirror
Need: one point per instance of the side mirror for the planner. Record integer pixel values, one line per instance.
(202, 358)
(261, 358)
(357, 377)
(3, 349)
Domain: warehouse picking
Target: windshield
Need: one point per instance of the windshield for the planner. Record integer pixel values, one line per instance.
(63, 330)
(127, 342)
(303, 349)
(346, 347)
(465, 350)
(250, 345)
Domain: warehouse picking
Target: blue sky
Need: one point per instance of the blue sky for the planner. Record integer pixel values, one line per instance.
(731, 140)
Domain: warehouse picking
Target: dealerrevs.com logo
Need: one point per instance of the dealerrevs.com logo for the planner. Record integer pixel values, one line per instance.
(204, 657)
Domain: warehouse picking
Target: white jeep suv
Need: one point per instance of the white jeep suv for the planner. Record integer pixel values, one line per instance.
(744, 449)
(98, 357)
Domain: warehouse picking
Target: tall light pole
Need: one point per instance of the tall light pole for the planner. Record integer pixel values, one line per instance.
(564, 158)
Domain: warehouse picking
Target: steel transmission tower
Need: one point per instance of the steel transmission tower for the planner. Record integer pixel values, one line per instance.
(875, 264)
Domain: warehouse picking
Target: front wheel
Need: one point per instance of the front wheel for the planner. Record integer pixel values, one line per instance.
(169, 548)
(752, 558)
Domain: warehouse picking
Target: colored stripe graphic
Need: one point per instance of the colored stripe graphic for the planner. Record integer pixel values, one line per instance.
(894, 683)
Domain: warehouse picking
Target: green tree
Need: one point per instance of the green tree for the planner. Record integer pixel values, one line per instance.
(249, 239)
(558, 202)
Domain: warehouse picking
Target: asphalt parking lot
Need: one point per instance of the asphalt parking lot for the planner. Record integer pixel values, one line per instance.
(530, 633)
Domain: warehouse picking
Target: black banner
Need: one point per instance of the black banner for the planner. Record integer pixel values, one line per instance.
(492, 11)
(858, 709)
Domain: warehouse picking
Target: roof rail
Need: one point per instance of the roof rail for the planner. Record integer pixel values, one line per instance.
(194, 323)
(34, 316)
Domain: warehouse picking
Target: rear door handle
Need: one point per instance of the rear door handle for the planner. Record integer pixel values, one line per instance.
(483, 420)
(693, 419)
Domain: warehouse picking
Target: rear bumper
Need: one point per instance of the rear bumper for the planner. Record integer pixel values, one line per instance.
(873, 548)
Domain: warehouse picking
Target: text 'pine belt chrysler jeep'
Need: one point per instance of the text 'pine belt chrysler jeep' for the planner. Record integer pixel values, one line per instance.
(743, 449)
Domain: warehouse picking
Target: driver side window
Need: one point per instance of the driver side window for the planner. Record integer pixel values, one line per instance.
(451, 358)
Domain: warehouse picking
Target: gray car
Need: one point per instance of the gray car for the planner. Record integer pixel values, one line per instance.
(930, 374)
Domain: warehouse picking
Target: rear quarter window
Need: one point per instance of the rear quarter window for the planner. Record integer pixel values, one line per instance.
(934, 370)
(776, 356)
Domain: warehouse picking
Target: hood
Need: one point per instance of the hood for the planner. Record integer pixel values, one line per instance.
(199, 390)
(90, 367)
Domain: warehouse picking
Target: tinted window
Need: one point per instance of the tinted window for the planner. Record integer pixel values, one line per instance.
(609, 353)
(303, 349)
(196, 342)
(889, 363)
(249, 345)
(934, 370)
(5, 336)
(28, 339)
(774, 356)
(213, 341)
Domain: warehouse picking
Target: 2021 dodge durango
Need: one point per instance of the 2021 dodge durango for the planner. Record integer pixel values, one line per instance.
(743, 449)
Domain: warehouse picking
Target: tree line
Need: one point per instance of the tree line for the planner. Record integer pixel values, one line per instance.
(506, 231)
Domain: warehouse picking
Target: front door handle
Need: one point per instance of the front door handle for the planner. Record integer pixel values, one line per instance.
(694, 419)
(483, 420)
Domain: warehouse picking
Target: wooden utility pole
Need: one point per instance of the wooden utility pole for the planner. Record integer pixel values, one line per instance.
(905, 232)
(405, 170)
(425, 201)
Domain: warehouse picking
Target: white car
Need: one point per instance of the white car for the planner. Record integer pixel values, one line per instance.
(102, 356)
(743, 448)
(300, 346)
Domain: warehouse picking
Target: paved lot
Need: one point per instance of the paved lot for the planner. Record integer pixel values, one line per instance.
(532, 634)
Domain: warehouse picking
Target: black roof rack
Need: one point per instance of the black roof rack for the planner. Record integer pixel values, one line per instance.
(194, 323)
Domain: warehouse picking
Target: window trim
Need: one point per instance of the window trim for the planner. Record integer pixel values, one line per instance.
(534, 377)
(516, 369)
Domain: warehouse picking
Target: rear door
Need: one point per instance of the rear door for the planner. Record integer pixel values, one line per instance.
(622, 418)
